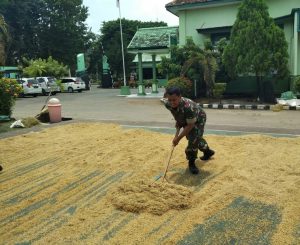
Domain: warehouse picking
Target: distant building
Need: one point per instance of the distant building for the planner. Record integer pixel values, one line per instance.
(10, 71)
(149, 45)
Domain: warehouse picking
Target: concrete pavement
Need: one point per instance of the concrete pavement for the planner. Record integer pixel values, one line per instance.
(104, 105)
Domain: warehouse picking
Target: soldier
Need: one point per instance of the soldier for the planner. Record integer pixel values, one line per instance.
(191, 117)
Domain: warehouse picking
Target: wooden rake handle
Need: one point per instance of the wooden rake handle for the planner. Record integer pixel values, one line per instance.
(171, 153)
(167, 167)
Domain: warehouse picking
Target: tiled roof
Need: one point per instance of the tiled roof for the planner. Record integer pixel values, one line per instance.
(182, 2)
(153, 38)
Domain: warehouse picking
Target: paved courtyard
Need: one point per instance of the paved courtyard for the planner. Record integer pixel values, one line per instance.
(105, 105)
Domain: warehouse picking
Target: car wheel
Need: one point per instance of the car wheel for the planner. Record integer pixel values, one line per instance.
(79, 91)
(53, 93)
(44, 92)
(70, 90)
(34, 95)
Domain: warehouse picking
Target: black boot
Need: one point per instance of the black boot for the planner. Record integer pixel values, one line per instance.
(208, 153)
(192, 167)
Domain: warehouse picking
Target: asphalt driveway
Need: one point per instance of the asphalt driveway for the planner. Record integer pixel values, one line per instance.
(106, 106)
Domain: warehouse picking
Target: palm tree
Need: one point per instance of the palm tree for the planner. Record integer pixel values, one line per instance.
(207, 62)
(4, 39)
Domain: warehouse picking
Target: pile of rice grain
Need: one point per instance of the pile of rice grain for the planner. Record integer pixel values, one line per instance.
(155, 198)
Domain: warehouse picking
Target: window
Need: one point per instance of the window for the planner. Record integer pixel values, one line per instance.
(216, 37)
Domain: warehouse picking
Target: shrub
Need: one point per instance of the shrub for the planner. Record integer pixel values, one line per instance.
(183, 83)
(148, 83)
(59, 84)
(9, 91)
(218, 90)
(297, 85)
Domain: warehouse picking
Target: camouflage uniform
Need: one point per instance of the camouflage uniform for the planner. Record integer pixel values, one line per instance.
(190, 112)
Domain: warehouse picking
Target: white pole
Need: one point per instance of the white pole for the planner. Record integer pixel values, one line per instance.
(124, 74)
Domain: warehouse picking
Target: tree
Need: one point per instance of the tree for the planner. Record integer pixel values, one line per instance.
(257, 46)
(23, 18)
(4, 39)
(62, 30)
(111, 41)
(94, 57)
(43, 28)
(206, 60)
(44, 67)
(192, 62)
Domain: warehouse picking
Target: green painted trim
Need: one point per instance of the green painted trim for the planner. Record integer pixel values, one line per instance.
(154, 87)
(140, 65)
(125, 90)
(141, 89)
(153, 67)
(298, 21)
(295, 10)
(223, 29)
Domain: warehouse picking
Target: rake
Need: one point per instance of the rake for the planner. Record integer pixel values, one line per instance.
(169, 159)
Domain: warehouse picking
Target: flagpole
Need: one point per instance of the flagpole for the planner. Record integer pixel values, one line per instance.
(124, 73)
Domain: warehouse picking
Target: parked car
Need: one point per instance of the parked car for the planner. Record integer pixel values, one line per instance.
(72, 84)
(30, 87)
(48, 84)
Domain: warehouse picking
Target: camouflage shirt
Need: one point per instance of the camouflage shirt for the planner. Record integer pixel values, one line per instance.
(187, 112)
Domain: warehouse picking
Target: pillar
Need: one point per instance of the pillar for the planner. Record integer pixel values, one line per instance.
(141, 85)
(296, 23)
(154, 81)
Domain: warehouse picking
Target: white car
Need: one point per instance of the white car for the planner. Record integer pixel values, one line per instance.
(48, 84)
(30, 87)
(72, 84)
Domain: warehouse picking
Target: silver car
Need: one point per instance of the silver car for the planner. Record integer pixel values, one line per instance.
(48, 84)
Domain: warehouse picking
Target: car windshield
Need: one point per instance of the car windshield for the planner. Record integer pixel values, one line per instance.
(51, 79)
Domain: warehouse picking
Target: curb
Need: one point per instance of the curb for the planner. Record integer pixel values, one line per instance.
(247, 107)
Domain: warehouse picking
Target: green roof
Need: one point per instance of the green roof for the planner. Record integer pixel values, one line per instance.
(6, 68)
(154, 38)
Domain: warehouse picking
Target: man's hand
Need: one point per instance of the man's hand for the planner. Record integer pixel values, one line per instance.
(179, 135)
(176, 140)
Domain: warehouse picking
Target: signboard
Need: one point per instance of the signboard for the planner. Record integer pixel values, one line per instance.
(80, 63)
(105, 65)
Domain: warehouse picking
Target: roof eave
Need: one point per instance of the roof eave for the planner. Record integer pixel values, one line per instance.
(174, 9)
(149, 50)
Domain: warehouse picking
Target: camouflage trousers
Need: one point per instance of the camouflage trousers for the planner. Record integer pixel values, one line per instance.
(196, 141)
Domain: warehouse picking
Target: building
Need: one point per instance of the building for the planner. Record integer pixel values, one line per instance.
(10, 72)
(149, 44)
(202, 19)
